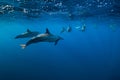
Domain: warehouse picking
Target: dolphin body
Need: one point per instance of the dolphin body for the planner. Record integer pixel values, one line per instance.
(69, 28)
(27, 34)
(82, 28)
(45, 37)
(63, 30)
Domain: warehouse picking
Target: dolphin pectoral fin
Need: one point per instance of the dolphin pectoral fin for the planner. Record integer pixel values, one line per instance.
(23, 46)
(56, 42)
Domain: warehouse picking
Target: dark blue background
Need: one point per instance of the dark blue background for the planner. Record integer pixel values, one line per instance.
(90, 55)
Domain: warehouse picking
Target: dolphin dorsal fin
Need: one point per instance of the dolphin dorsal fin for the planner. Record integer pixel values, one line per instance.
(47, 31)
(28, 30)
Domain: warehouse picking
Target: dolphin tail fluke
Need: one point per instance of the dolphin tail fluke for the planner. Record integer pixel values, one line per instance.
(23, 46)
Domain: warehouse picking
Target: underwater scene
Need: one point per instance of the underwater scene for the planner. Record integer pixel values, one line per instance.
(59, 39)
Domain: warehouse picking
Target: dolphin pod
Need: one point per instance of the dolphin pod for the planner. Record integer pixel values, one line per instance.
(36, 37)
(44, 37)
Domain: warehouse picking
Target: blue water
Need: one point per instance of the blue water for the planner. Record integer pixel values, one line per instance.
(90, 55)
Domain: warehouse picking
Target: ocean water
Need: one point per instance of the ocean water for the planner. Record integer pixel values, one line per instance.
(93, 54)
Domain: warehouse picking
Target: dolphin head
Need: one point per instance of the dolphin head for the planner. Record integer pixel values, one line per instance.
(60, 38)
(18, 36)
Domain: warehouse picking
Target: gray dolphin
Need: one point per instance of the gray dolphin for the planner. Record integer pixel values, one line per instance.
(27, 34)
(82, 28)
(69, 28)
(45, 37)
(62, 30)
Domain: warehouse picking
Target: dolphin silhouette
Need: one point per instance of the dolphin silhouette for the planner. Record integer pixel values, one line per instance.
(45, 37)
(69, 28)
(27, 34)
(62, 30)
(82, 28)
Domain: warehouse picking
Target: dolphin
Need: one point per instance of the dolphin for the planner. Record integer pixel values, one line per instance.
(27, 34)
(62, 30)
(82, 28)
(45, 37)
(69, 28)
(78, 28)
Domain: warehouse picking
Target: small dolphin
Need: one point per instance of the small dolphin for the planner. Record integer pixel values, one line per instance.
(78, 28)
(27, 34)
(63, 30)
(69, 28)
(45, 37)
(82, 28)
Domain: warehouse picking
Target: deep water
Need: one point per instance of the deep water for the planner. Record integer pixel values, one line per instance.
(90, 55)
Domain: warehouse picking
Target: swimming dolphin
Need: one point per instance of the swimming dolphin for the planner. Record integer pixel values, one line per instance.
(27, 34)
(62, 30)
(69, 28)
(82, 28)
(78, 28)
(45, 37)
